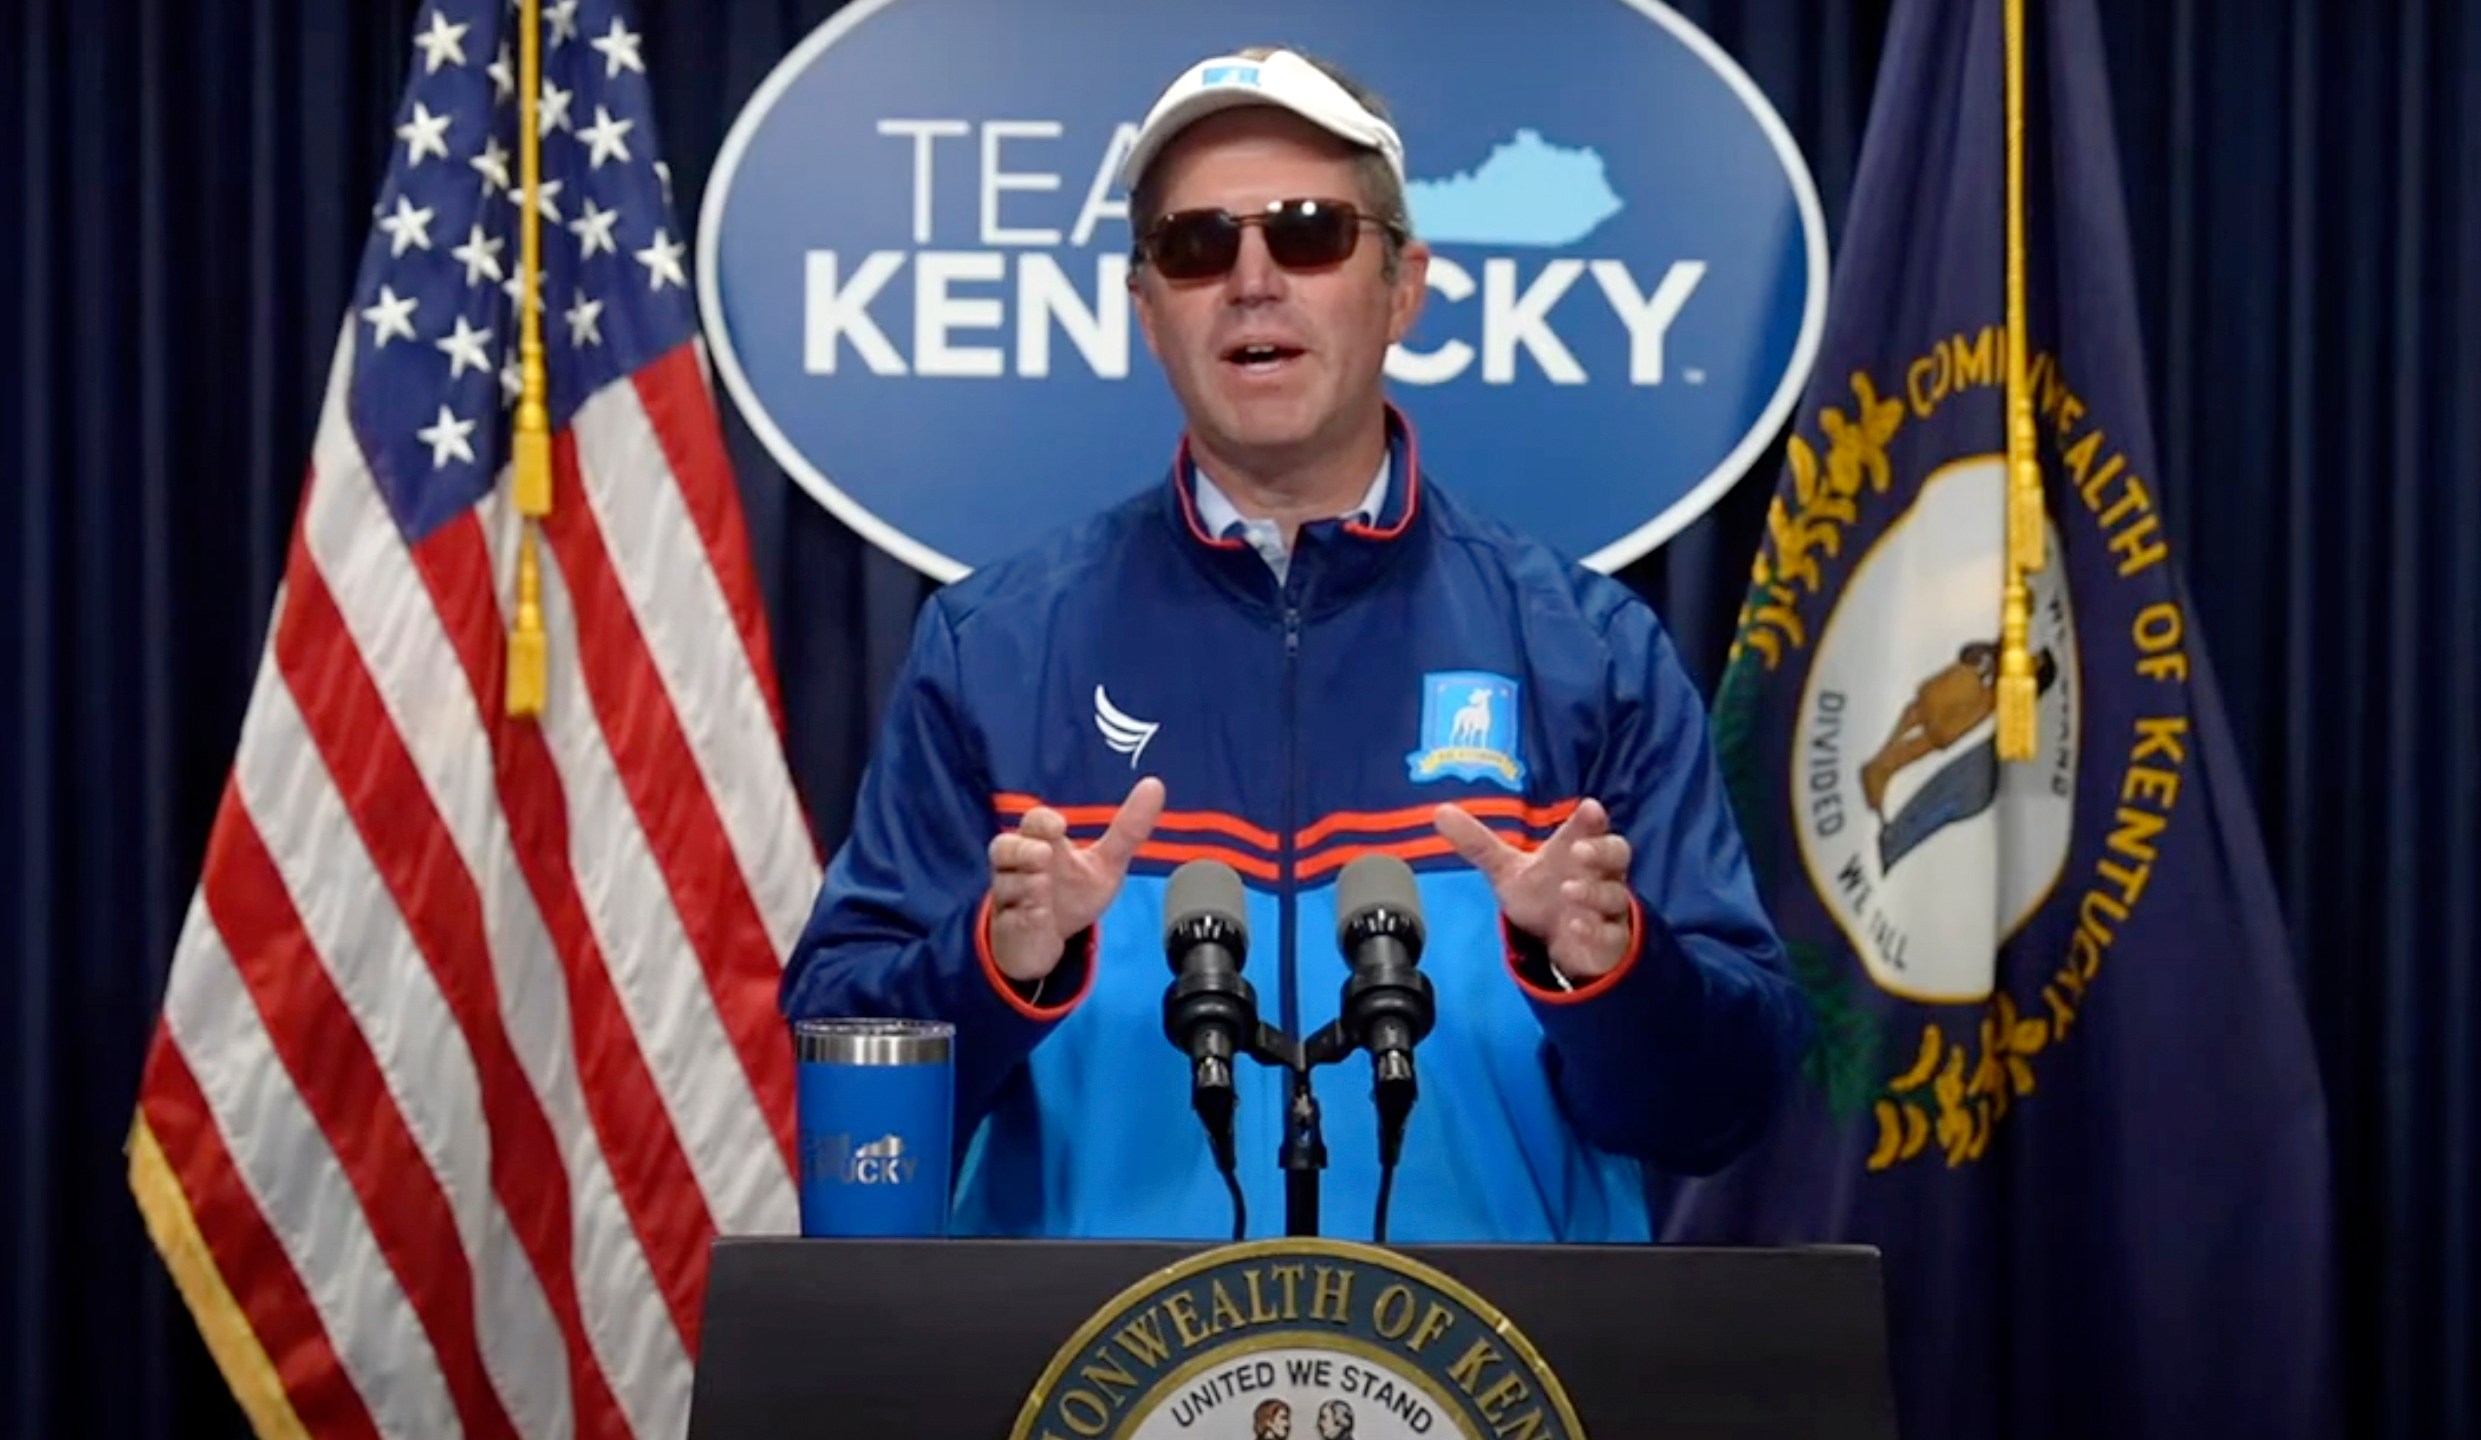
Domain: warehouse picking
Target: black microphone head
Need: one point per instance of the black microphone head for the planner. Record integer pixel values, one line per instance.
(1204, 901)
(1376, 894)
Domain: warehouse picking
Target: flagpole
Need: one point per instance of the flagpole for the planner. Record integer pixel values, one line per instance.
(2016, 739)
(527, 653)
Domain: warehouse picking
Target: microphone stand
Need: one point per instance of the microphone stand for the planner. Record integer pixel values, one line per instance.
(1303, 1153)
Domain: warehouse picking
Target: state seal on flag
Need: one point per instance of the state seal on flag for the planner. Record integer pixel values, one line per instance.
(1926, 850)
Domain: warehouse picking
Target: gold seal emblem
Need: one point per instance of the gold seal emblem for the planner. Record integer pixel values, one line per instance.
(1297, 1339)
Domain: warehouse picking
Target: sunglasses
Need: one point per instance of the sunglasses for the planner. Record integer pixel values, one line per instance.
(1300, 235)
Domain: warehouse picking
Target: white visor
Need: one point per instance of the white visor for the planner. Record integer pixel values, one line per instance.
(1282, 79)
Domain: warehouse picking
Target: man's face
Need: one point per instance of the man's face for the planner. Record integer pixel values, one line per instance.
(1328, 329)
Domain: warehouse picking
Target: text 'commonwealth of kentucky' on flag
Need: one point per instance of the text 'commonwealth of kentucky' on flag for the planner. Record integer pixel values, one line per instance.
(469, 1048)
(2062, 1077)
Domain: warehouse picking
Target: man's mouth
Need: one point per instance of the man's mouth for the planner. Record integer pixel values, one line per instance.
(1261, 357)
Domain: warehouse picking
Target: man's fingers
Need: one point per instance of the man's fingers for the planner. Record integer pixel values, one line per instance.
(1481, 848)
(1607, 898)
(1043, 823)
(1027, 852)
(1018, 852)
(1047, 830)
(1132, 824)
(1011, 888)
(1603, 858)
(1588, 821)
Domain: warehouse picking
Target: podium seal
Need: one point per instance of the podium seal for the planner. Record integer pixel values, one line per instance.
(1297, 1339)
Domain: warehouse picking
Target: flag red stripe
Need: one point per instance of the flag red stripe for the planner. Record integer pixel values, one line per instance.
(673, 391)
(247, 1254)
(415, 856)
(649, 1168)
(671, 800)
(339, 1082)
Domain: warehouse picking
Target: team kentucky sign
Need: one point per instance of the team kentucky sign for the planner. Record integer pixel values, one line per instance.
(914, 253)
(1278, 1339)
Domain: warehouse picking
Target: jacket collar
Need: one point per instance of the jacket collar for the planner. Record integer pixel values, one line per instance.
(1333, 559)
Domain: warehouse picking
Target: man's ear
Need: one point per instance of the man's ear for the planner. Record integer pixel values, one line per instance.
(1412, 289)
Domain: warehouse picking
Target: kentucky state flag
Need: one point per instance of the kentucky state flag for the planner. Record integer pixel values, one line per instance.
(2063, 1077)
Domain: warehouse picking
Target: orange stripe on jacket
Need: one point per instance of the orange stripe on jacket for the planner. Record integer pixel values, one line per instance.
(1422, 849)
(1380, 822)
(1211, 821)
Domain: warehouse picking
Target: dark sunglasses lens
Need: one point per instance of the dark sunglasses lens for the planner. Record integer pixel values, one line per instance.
(1309, 234)
(1196, 244)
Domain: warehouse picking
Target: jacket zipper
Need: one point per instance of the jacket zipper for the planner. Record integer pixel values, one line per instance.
(1291, 1006)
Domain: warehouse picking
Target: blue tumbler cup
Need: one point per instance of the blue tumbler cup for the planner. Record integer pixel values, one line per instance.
(878, 1106)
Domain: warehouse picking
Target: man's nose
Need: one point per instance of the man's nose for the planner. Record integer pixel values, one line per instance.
(1255, 277)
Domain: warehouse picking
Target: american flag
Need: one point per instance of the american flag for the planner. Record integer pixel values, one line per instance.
(470, 1044)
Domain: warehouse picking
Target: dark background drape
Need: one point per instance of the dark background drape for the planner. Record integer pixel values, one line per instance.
(191, 185)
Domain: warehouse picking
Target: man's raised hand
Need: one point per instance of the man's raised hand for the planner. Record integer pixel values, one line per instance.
(1044, 889)
(1571, 894)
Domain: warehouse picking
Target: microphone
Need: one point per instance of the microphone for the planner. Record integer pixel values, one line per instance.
(1388, 1003)
(1209, 1012)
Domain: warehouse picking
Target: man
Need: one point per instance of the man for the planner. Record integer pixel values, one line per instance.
(1304, 650)
(1946, 709)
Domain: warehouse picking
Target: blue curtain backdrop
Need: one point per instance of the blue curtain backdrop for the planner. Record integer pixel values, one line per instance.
(193, 185)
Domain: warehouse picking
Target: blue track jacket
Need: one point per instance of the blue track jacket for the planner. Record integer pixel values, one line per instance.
(1432, 656)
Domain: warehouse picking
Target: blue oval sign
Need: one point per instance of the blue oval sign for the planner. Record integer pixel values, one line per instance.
(914, 248)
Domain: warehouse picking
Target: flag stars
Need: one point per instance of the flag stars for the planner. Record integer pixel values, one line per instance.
(442, 44)
(662, 260)
(465, 348)
(432, 227)
(552, 111)
(584, 317)
(619, 49)
(480, 254)
(424, 134)
(447, 439)
(493, 163)
(390, 316)
(546, 203)
(593, 229)
(408, 228)
(604, 137)
(503, 73)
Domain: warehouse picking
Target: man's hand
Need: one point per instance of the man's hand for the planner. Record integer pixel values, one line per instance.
(1572, 894)
(1044, 890)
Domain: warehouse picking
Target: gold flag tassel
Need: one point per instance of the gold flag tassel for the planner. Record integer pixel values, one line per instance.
(2025, 521)
(528, 654)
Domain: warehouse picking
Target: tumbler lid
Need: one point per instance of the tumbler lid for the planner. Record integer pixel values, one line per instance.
(873, 1042)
